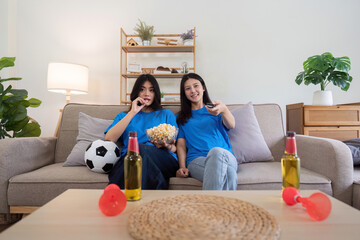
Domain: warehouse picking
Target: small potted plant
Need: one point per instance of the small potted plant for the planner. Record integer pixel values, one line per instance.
(188, 37)
(325, 69)
(162, 95)
(145, 32)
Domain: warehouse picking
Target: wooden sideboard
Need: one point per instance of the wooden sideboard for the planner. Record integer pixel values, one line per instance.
(341, 122)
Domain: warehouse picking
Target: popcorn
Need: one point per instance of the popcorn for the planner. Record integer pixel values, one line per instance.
(163, 132)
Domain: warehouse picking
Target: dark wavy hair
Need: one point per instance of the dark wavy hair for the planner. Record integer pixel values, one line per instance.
(156, 104)
(185, 108)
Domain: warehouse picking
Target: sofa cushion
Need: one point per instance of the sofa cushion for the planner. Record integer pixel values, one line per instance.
(357, 174)
(354, 145)
(42, 185)
(90, 129)
(356, 193)
(262, 176)
(247, 141)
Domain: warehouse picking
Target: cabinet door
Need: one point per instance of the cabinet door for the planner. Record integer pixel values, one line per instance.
(339, 133)
(331, 116)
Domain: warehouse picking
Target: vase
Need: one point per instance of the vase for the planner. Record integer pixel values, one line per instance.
(146, 42)
(188, 42)
(322, 98)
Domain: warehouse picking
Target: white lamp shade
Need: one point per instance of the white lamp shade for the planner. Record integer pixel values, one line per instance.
(67, 78)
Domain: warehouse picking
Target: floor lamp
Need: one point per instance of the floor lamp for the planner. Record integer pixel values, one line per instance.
(68, 79)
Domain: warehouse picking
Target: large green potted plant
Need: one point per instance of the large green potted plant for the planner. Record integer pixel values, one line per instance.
(145, 32)
(14, 121)
(325, 69)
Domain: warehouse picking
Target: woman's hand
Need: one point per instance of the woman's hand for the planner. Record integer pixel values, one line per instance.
(221, 108)
(182, 172)
(137, 105)
(218, 109)
(163, 144)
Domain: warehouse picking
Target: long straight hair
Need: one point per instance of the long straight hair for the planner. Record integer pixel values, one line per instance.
(185, 108)
(156, 104)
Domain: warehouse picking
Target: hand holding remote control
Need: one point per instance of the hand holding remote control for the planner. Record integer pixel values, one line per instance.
(211, 105)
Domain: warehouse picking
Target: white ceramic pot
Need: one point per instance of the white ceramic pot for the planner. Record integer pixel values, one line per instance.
(188, 42)
(146, 42)
(322, 98)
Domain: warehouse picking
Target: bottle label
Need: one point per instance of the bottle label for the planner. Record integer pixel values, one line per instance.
(290, 145)
(133, 145)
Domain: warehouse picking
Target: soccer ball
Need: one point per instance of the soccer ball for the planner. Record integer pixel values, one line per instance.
(101, 156)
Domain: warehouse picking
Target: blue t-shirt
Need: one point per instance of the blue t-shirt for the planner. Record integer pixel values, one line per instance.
(202, 132)
(140, 122)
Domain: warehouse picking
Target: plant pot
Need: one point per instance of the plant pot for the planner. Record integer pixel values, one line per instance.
(188, 42)
(322, 98)
(146, 42)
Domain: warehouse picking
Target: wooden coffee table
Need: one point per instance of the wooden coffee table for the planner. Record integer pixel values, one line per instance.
(75, 215)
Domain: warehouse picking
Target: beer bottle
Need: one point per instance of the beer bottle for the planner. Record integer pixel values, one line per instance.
(132, 169)
(290, 163)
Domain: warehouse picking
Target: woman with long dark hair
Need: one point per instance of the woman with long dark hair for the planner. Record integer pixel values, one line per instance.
(159, 161)
(203, 146)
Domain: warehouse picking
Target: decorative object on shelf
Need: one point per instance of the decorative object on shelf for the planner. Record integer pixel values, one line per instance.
(188, 37)
(134, 68)
(67, 78)
(162, 94)
(145, 32)
(132, 42)
(167, 41)
(174, 70)
(162, 69)
(14, 121)
(147, 70)
(184, 67)
(324, 69)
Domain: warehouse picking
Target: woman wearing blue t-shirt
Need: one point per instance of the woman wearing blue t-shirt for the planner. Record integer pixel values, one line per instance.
(159, 161)
(202, 131)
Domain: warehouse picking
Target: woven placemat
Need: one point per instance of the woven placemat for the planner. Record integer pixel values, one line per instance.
(198, 216)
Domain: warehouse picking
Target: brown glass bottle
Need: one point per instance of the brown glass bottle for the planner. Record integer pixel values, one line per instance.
(133, 169)
(290, 163)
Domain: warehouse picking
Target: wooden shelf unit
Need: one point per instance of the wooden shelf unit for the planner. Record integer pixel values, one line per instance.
(341, 122)
(125, 50)
(159, 49)
(156, 75)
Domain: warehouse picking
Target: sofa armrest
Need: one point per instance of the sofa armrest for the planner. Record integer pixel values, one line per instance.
(21, 155)
(330, 158)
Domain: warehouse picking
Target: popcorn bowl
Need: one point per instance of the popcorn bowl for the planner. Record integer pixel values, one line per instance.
(162, 133)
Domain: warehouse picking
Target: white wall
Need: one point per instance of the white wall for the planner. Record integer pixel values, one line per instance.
(3, 28)
(248, 50)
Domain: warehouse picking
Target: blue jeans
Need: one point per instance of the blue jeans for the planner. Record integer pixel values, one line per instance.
(158, 165)
(217, 170)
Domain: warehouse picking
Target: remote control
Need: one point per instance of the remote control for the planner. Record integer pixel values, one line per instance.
(210, 105)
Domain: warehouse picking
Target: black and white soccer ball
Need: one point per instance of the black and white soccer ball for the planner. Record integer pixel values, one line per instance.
(101, 156)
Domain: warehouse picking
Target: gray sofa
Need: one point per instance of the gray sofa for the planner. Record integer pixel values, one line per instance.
(31, 171)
